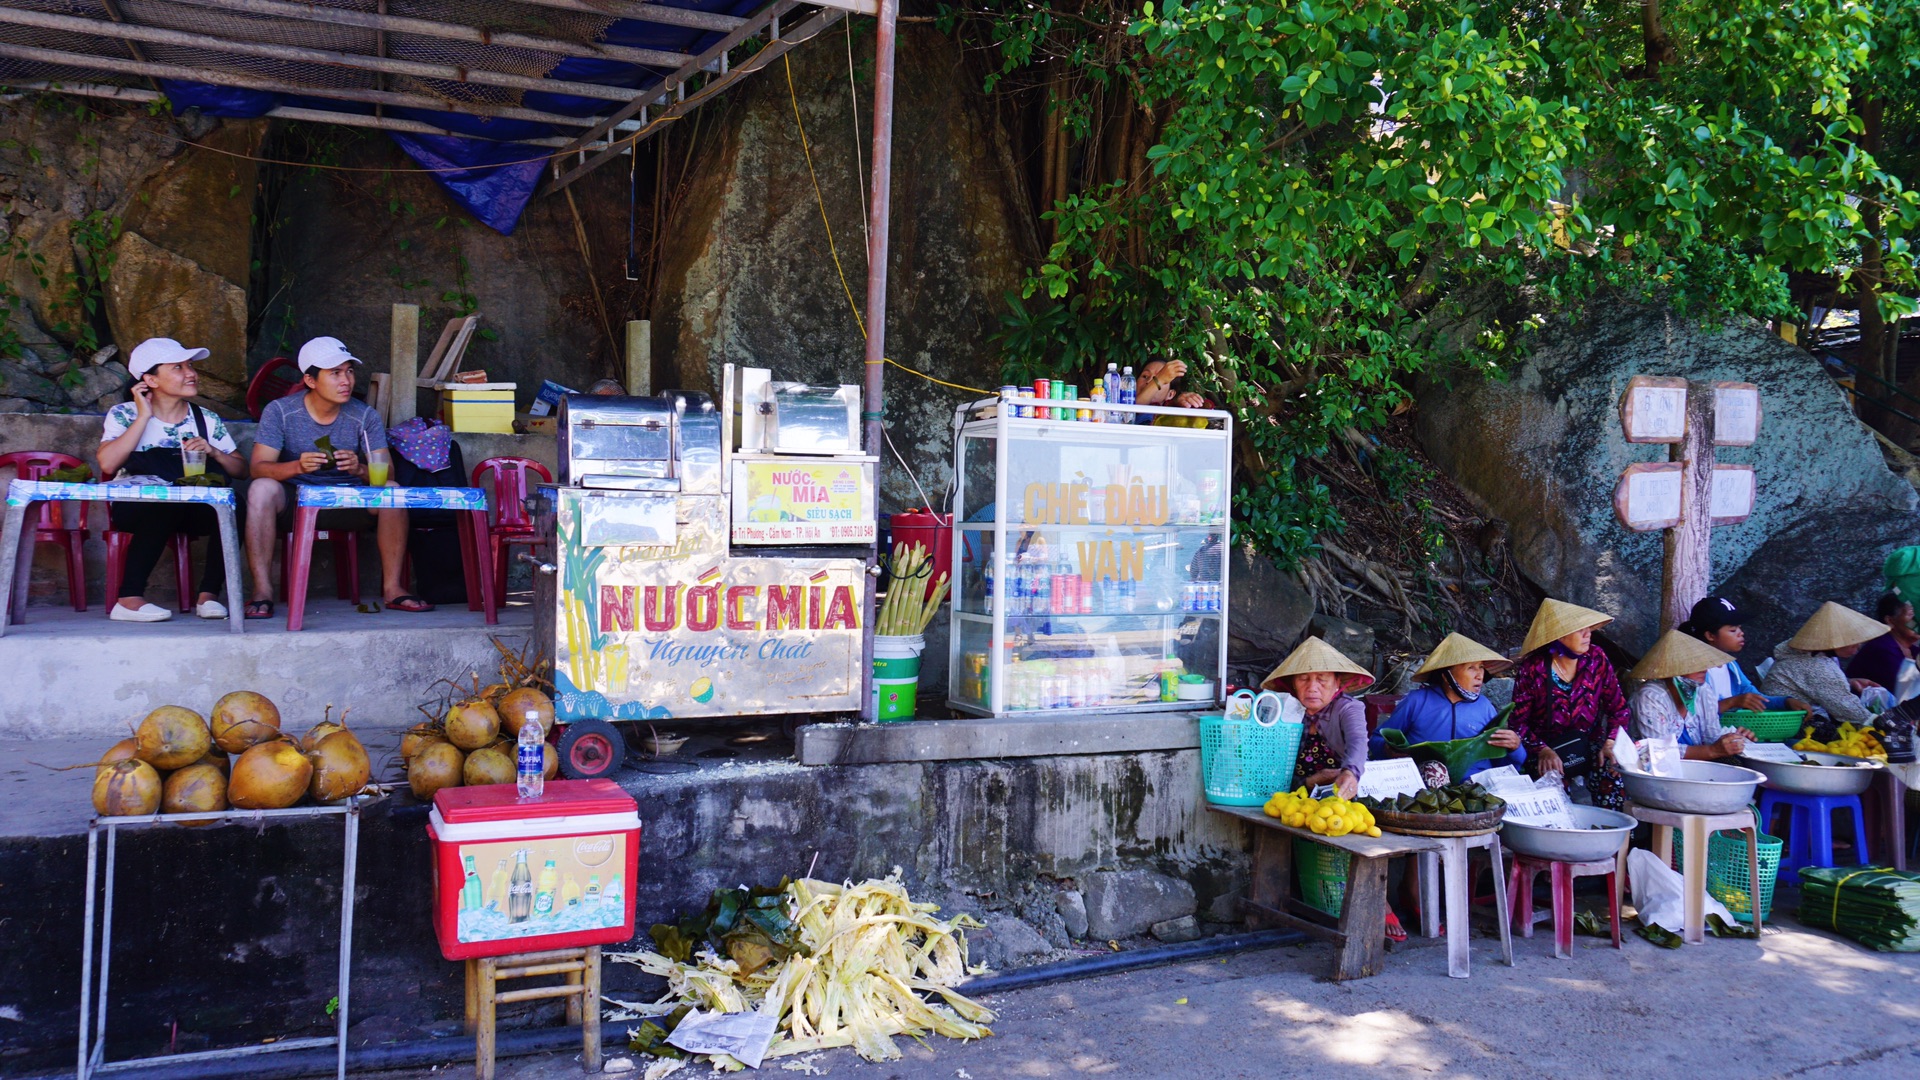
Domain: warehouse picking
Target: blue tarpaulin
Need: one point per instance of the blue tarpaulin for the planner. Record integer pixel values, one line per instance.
(479, 163)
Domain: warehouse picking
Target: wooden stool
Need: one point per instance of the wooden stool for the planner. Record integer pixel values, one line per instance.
(582, 991)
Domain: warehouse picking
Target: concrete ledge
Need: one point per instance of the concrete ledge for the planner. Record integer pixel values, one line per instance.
(996, 737)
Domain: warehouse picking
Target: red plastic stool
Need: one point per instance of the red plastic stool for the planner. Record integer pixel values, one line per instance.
(1520, 888)
(117, 542)
(346, 566)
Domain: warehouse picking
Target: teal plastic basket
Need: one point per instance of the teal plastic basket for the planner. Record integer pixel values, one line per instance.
(1727, 877)
(1243, 762)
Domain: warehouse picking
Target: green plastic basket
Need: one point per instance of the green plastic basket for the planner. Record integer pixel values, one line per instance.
(1781, 726)
(1323, 874)
(1727, 870)
(1243, 762)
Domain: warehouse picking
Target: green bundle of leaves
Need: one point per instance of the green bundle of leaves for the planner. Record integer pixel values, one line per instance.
(748, 926)
(1343, 193)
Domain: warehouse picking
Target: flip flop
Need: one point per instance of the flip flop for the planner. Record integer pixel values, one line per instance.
(408, 602)
(1395, 932)
(259, 609)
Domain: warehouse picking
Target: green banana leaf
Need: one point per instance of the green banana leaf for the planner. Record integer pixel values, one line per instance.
(1458, 755)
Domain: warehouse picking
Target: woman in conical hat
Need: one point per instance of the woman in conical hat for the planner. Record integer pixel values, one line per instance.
(1448, 704)
(1567, 700)
(1334, 749)
(1807, 665)
(1675, 701)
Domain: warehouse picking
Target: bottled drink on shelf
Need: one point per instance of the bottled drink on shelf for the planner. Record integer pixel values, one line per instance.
(1113, 393)
(1129, 389)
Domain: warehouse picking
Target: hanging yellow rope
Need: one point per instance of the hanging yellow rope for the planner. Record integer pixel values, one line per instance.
(833, 249)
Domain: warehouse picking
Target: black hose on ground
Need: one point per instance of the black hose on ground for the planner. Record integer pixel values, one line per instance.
(1131, 960)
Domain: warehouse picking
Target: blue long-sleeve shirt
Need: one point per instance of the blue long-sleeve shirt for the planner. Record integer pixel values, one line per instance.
(1425, 715)
(1730, 681)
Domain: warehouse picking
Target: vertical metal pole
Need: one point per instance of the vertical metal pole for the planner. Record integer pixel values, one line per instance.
(106, 952)
(352, 860)
(879, 206)
(86, 949)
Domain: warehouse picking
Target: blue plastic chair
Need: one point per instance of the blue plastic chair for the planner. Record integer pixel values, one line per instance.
(1810, 828)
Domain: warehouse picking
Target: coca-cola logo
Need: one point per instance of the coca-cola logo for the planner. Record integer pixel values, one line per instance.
(593, 850)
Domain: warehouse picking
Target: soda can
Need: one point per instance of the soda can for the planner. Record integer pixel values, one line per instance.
(1043, 388)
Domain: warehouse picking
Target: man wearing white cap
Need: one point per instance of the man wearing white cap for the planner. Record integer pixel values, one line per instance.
(146, 436)
(286, 453)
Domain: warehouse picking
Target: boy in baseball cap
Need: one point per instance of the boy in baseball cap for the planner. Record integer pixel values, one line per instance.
(286, 453)
(1716, 620)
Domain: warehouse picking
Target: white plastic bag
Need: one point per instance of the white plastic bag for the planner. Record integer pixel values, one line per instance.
(1660, 893)
(1908, 685)
(1878, 699)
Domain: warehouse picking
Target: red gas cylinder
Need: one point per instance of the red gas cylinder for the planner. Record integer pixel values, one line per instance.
(921, 527)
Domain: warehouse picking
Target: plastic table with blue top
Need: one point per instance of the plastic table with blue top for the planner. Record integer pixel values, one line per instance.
(17, 541)
(475, 537)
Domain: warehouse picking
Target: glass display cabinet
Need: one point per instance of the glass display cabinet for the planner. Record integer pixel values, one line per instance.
(1090, 569)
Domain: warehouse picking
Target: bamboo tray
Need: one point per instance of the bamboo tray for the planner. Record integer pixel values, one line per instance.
(1410, 824)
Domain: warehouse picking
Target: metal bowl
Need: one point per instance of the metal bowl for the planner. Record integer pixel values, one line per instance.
(1582, 843)
(1851, 776)
(1703, 787)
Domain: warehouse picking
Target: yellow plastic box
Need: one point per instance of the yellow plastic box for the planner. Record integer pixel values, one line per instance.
(478, 407)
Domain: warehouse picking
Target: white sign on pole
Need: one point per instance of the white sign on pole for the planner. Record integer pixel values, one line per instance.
(1388, 777)
(1654, 409)
(1732, 494)
(1651, 495)
(1736, 414)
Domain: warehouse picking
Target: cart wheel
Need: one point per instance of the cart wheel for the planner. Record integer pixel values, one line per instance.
(590, 749)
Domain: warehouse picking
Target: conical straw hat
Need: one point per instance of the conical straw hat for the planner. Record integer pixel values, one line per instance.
(1314, 654)
(1836, 627)
(1556, 619)
(1676, 654)
(1458, 649)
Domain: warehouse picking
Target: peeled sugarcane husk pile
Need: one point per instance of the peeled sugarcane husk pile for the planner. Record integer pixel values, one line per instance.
(1877, 907)
(850, 965)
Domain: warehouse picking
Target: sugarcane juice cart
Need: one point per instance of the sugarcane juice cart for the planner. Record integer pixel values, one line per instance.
(708, 560)
(1090, 559)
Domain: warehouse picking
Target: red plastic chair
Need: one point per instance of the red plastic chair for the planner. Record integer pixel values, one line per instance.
(346, 566)
(507, 515)
(117, 543)
(1379, 707)
(51, 527)
(277, 378)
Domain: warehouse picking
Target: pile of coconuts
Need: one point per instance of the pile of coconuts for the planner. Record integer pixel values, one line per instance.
(180, 763)
(476, 743)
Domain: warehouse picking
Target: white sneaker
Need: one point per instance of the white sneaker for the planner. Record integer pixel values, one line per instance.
(211, 609)
(143, 613)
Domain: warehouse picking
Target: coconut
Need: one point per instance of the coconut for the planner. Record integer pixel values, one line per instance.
(552, 757)
(514, 706)
(270, 776)
(218, 760)
(243, 718)
(196, 789)
(472, 725)
(437, 766)
(340, 767)
(120, 751)
(127, 788)
(172, 737)
(421, 736)
(491, 765)
(319, 731)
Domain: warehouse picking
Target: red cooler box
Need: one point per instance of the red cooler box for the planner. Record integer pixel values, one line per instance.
(550, 873)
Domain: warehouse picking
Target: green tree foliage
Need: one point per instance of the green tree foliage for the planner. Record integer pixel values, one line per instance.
(1336, 194)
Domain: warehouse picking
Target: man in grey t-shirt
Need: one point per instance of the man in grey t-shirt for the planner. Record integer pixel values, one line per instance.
(286, 453)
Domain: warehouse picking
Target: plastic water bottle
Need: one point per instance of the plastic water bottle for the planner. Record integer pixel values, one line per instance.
(1113, 393)
(1129, 389)
(532, 757)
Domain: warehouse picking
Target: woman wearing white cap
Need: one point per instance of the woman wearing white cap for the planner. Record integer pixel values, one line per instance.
(145, 436)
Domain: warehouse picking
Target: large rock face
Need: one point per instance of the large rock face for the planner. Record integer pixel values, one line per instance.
(1543, 451)
(748, 276)
(154, 292)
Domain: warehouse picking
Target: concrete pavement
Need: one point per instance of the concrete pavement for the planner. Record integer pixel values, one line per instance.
(1799, 1003)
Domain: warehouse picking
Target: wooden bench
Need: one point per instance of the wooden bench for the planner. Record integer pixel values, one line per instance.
(1360, 929)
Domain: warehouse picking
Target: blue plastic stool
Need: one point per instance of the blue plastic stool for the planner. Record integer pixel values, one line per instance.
(1810, 828)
